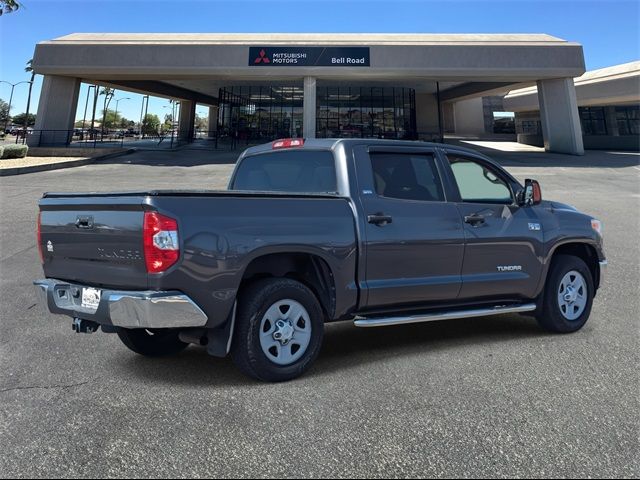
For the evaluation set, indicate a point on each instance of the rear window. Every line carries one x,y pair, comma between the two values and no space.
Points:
300,171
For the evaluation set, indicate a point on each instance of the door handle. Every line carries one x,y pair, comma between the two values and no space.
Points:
84,222
474,219
380,219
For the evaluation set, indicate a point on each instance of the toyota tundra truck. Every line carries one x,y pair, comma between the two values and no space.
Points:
376,232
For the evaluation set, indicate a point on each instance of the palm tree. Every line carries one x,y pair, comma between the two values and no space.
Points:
8,6
29,69
108,95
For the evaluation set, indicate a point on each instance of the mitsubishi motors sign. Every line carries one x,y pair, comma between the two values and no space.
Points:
309,56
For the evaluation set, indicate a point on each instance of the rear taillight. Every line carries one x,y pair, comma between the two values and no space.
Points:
287,143
39,238
161,242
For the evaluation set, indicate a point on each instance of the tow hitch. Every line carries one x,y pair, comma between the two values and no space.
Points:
84,326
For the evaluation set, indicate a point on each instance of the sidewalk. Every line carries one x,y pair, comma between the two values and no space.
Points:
19,166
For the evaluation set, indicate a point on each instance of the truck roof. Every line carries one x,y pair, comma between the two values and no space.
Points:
331,143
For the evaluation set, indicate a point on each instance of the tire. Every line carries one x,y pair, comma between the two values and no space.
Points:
152,343
559,314
264,310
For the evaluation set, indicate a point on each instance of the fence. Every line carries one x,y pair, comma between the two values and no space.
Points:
97,139
220,140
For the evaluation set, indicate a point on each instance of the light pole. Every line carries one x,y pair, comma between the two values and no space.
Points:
13,85
124,98
86,104
172,106
144,99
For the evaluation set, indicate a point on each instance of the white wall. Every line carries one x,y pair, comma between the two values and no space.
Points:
469,117
426,113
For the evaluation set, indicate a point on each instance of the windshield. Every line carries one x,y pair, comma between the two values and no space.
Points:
299,171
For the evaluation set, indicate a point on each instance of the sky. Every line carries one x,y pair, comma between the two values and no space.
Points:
608,29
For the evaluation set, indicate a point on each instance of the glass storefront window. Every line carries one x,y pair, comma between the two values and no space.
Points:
262,113
592,120
628,119
364,112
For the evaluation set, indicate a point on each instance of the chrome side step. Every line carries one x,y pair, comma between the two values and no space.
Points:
431,317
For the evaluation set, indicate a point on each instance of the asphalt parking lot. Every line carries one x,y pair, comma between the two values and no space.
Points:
467,398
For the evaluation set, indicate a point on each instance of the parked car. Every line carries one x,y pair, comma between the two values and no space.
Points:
376,232
20,133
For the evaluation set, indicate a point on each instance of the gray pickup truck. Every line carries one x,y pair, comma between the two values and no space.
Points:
371,231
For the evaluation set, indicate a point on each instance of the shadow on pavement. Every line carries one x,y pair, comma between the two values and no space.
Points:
345,346
591,158
183,157
195,156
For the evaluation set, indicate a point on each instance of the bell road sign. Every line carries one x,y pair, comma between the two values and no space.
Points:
309,56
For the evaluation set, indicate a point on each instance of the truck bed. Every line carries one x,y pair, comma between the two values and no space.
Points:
96,239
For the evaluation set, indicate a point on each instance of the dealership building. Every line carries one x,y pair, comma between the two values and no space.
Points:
608,107
264,86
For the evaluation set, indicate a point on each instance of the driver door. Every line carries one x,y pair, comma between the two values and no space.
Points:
503,241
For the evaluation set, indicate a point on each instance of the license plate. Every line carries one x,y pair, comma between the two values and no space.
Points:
91,298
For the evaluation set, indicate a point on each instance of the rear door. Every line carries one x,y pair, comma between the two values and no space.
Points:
413,236
503,241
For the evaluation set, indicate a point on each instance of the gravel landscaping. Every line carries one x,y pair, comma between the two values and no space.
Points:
35,161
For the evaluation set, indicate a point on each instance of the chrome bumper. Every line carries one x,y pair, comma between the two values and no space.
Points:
603,270
126,309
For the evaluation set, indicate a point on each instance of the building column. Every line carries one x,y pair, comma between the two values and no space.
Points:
187,120
309,108
56,111
213,121
561,129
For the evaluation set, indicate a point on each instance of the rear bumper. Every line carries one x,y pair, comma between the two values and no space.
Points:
118,308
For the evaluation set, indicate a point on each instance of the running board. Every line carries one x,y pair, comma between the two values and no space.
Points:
432,317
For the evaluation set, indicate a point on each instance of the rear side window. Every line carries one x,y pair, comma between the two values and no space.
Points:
407,177
299,171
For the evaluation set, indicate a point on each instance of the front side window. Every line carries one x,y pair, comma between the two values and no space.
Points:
407,177
478,183
294,171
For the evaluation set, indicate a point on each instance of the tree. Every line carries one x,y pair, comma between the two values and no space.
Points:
110,119
21,119
202,123
4,112
168,122
150,124
108,95
8,6
29,69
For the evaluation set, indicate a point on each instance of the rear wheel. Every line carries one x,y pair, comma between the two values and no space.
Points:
279,330
152,343
568,295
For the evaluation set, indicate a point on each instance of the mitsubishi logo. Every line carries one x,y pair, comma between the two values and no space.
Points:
262,58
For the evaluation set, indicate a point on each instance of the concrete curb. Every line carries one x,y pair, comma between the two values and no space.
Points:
5,172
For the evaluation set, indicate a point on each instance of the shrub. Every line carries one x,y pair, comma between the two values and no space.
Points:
1,150
14,151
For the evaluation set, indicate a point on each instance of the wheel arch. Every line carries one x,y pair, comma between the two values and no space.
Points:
586,251
309,268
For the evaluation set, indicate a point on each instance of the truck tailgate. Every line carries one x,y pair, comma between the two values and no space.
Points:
94,240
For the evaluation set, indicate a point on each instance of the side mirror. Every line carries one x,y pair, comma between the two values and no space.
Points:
532,194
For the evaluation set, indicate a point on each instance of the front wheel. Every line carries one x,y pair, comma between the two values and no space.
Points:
279,330
568,295
152,343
